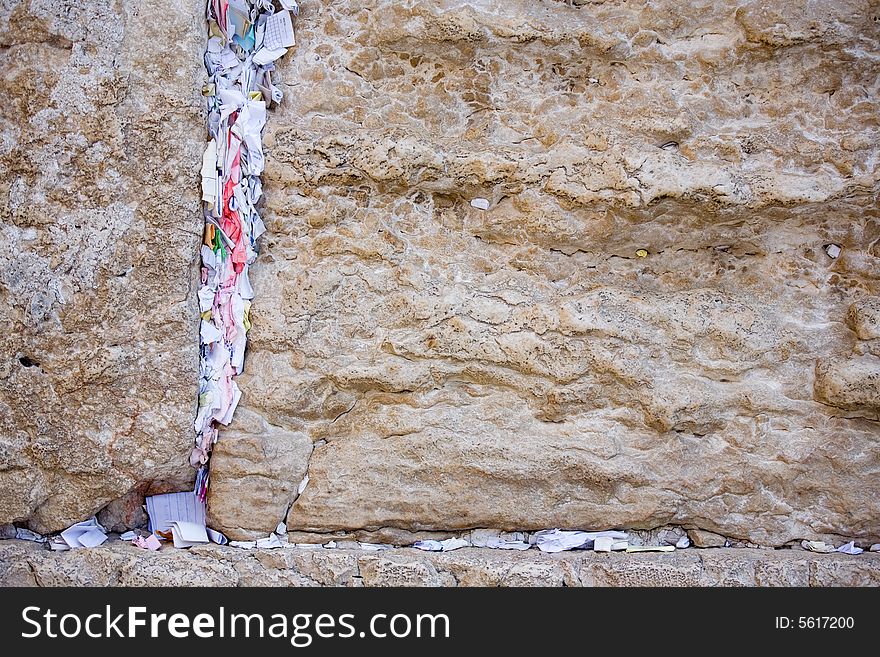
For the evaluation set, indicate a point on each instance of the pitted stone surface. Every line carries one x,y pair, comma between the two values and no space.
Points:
100,147
522,367
119,564
644,328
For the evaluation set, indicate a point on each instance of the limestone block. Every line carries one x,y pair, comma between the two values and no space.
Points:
627,336
100,148
849,383
255,470
863,318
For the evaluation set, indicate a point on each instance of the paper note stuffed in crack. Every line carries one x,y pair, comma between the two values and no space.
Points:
279,31
246,37
557,540
83,534
441,546
210,176
187,534
165,510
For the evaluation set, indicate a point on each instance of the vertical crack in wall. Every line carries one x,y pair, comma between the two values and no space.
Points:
245,38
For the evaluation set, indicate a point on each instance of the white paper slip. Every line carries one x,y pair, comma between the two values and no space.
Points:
270,541
187,534
428,546
28,535
165,509
217,537
84,534
441,546
92,538
497,540
850,548
556,540
228,60
209,333
210,177
71,534
374,547
603,544
510,545
817,546
279,31
454,544
266,55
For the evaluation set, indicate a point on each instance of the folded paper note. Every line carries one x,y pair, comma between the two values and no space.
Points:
441,546
164,510
217,537
279,31
187,534
84,534
817,546
850,548
557,540
149,543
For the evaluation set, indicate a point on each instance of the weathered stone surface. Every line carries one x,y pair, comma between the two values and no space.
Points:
850,383
126,512
864,318
522,367
117,563
255,477
704,539
100,148
728,567
644,327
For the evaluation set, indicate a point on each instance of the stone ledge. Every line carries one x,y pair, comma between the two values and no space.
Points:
119,564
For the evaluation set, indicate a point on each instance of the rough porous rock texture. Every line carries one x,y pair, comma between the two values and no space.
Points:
120,564
524,367
100,146
255,474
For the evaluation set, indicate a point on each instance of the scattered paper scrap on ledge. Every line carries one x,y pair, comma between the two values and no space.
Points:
86,534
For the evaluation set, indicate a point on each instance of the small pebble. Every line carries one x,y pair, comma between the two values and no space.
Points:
480,203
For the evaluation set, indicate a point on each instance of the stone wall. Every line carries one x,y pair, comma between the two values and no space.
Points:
651,323
434,366
120,564
101,130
